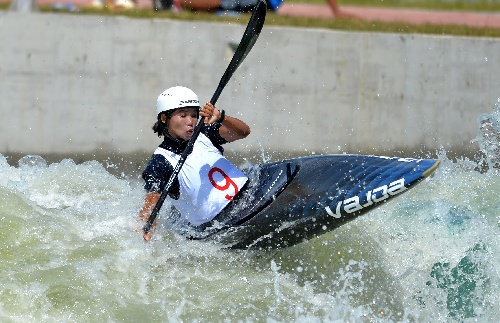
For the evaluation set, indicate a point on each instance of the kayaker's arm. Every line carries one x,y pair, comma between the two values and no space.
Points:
232,128
149,203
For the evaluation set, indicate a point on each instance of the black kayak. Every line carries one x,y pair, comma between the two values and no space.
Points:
294,200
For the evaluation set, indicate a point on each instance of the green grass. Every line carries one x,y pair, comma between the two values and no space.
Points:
337,24
455,5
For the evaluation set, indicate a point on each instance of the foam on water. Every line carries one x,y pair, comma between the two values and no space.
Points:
69,252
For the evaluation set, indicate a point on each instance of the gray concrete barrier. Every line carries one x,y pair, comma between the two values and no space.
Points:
80,83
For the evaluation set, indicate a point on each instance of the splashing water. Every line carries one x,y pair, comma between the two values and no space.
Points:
69,252
489,136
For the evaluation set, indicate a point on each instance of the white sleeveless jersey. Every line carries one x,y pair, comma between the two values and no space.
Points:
207,180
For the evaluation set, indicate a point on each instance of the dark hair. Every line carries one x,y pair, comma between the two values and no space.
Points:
159,127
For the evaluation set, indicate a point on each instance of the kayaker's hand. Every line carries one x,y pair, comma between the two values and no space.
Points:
210,113
149,202
147,236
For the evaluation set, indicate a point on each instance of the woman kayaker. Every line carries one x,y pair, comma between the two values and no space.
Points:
207,182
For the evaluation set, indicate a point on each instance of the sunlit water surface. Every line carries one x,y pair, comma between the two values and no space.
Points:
69,252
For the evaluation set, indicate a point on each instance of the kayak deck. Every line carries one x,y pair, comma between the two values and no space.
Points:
295,200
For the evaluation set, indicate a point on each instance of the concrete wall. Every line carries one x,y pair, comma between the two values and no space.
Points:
75,83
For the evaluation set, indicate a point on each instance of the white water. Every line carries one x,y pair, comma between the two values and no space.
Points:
69,253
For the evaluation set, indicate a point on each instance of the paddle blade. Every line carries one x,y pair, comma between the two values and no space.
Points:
249,38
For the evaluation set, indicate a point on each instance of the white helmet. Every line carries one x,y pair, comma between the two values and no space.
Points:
176,97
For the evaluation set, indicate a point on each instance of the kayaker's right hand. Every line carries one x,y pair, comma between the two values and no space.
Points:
147,236
149,203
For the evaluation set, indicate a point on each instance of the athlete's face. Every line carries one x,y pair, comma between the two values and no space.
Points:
182,123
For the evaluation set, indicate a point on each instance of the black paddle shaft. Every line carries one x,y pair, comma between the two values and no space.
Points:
249,38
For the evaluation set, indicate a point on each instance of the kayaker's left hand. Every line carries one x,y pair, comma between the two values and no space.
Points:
210,113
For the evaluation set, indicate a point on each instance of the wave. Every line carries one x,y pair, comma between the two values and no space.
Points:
69,251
